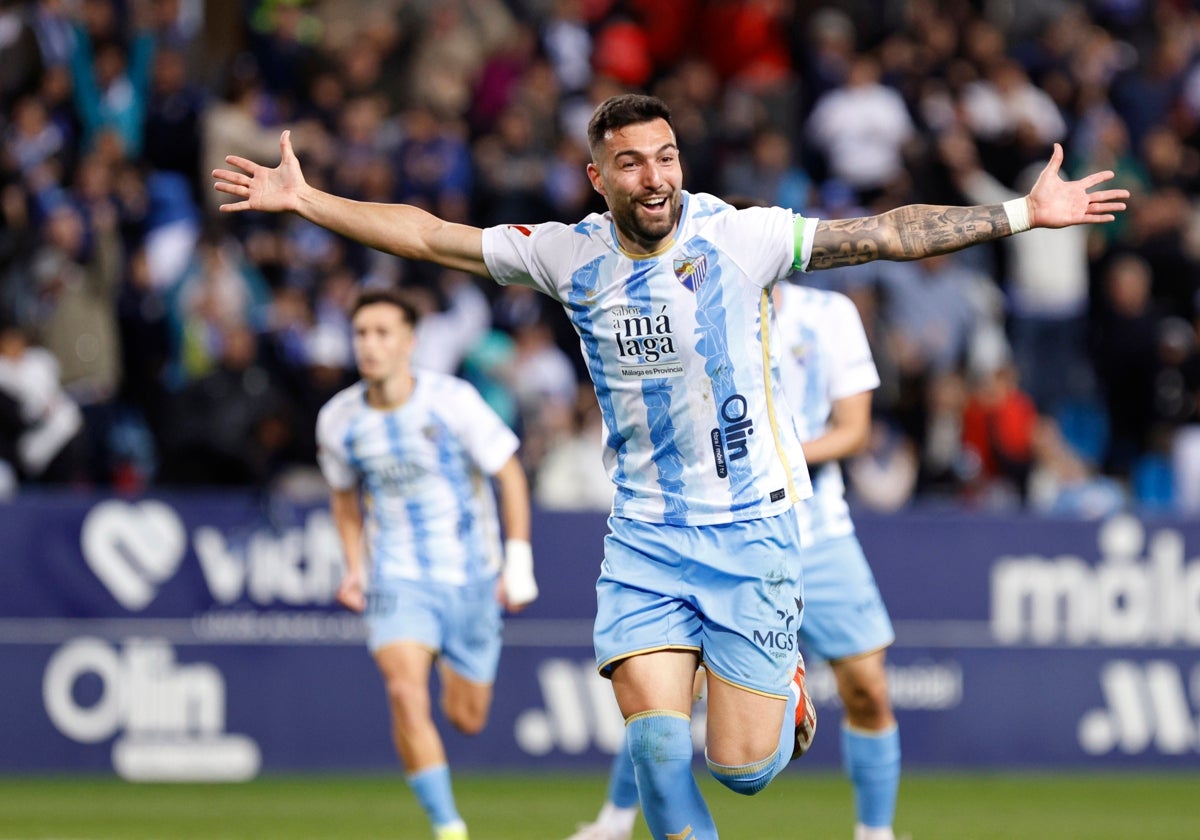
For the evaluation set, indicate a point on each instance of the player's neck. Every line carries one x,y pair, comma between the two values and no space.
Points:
638,250
392,392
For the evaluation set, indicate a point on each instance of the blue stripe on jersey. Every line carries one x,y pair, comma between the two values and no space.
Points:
713,345
656,396
815,406
453,468
584,283
348,440
416,516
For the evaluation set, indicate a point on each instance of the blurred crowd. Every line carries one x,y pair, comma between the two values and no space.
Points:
147,340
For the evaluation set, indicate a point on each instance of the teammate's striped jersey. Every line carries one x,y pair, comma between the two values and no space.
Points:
825,357
679,350
424,470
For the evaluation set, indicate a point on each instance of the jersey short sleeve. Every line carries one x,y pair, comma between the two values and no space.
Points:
333,426
538,256
852,368
488,441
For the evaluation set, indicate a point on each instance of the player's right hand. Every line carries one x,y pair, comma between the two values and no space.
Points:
261,187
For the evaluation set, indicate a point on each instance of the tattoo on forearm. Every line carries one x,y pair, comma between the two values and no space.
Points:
906,233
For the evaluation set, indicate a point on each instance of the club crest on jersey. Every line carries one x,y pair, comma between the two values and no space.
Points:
691,271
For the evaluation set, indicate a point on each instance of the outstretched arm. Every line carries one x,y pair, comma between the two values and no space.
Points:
923,230
398,229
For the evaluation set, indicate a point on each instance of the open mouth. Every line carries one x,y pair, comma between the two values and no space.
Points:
655,205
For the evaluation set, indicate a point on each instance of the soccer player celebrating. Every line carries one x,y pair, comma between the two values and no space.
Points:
828,376
669,292
419,448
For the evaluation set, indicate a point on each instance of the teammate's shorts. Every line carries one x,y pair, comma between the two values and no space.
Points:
844,615
732,592
461,624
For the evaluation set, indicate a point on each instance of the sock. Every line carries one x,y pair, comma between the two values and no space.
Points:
432,787
872,761
660,743
749,779
622,783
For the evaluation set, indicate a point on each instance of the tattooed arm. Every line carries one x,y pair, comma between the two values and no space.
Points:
924,230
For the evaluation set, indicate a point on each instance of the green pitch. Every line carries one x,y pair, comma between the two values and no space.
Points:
547,807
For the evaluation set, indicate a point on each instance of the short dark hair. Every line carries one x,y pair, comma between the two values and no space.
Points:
616,112
396,297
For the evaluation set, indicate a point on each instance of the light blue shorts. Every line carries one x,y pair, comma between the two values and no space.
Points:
844,614
732,592
461,624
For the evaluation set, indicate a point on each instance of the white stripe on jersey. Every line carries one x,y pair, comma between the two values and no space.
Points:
825,357
674,343
423,469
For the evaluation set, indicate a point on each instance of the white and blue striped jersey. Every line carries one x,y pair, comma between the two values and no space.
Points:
825,357
424,471
679,349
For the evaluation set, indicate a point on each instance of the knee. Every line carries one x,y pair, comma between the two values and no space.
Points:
408,701
468,715
868,705
468,721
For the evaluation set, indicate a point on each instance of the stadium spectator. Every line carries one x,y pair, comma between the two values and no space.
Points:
862,128
571,474
998,427
42,436
405,453
77,276
228,427
1125,353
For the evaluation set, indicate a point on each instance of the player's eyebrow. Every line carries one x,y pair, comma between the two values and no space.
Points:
638,153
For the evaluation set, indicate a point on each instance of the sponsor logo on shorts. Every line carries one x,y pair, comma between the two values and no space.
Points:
783,638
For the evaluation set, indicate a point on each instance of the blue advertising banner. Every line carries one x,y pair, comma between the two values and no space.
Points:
195,637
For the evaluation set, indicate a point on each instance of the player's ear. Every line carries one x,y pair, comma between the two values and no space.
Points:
593,173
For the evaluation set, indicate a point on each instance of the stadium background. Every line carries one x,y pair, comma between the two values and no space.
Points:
161,365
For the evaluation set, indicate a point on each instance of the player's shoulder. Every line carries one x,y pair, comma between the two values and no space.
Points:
439,389
746,221
343,406
593,227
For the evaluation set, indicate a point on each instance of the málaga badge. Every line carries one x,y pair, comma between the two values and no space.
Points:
691,271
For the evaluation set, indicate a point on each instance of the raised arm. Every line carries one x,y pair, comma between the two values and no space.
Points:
924,230
398,229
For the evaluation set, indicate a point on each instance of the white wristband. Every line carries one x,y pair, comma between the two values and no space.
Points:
520,588
1017,210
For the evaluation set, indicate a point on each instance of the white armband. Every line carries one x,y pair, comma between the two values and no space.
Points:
1017,210
520,588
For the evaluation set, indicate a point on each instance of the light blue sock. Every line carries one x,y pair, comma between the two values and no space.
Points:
432,787
622,781
872,761
660,744
749,779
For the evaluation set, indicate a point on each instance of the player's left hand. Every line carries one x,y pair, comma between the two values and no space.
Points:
351,594
518,587
1055,203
